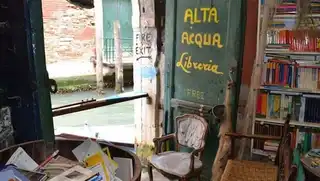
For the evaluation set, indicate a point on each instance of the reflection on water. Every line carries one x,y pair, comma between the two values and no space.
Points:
117,114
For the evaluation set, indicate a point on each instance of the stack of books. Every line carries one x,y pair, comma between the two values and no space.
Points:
284,6
294,40
274,130
291,74
271,146
287,7
315,6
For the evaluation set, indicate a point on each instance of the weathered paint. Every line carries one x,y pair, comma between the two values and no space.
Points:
203,42
145,55
23,73
117,10
38,65
249,50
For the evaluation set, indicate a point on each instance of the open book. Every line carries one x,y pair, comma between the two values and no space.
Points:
76,173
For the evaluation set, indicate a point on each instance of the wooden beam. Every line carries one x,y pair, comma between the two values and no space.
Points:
118,62
250,110
99,44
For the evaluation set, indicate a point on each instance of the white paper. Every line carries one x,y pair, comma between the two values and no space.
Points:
22,160
116,179
99,169
108,164
125,170
86,149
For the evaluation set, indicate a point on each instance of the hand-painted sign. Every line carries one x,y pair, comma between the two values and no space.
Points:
207,43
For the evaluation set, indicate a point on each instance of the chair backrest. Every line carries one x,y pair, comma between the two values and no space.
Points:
191,130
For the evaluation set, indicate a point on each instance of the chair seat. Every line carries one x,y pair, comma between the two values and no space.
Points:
242,170
175,163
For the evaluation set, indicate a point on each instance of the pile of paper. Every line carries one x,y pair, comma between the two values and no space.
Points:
94,164
22,167
94,157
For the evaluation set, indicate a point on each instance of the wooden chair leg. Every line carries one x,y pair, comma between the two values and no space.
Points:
150,173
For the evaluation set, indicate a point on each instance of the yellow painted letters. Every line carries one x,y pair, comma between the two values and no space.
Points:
201,39
187,64
208,15
194,93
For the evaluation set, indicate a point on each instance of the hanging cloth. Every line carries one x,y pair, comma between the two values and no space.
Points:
297,162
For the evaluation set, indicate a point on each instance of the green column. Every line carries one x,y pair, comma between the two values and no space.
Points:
43,96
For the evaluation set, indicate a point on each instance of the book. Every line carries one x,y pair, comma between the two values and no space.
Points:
271,143
34,176
22,160
99,163
58,165
293,40
276,106
290,78
76,173
270,148
94,157
266,129
10,172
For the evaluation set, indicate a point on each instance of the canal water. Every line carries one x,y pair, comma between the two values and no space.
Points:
114,122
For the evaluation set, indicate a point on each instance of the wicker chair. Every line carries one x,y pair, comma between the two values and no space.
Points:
282,170
191,132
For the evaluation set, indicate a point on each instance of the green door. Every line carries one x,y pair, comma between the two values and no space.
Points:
117,10
203,44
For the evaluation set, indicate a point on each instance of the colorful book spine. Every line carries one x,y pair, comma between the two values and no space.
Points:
279,73
294,40
308,77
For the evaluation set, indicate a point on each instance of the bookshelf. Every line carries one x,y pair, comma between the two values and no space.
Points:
290,79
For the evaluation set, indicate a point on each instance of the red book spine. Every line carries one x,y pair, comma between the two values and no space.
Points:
259,103
312,44
281,37
291,41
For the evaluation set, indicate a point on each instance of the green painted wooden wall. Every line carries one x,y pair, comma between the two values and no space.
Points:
121,10
204,40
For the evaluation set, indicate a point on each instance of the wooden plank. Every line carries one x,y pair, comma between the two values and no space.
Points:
255,80
118,64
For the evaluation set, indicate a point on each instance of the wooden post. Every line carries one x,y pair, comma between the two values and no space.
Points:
118,62
250,110
99,43
145,58
225,142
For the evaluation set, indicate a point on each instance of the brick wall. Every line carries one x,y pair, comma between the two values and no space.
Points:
68,30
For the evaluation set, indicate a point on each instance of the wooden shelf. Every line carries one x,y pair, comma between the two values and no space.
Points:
291,16
293,53
294,90
293,123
